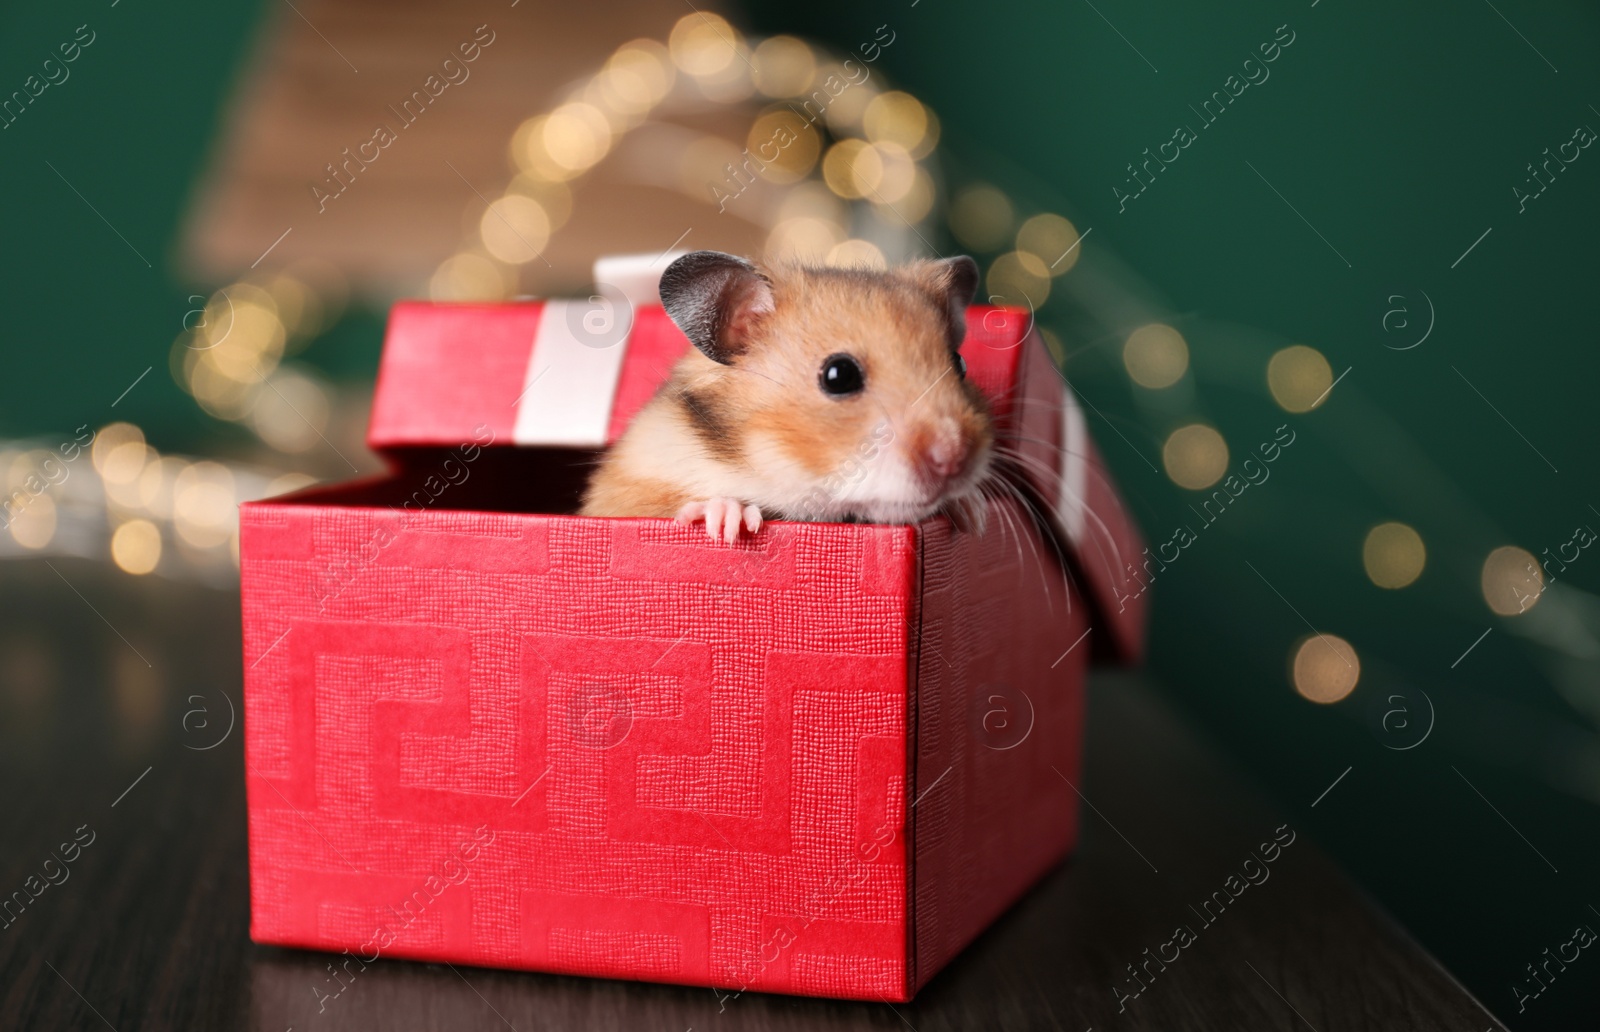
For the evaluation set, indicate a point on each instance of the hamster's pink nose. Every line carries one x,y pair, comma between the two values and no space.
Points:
946,451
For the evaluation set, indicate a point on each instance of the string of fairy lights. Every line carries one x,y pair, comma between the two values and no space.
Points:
851,185
849,171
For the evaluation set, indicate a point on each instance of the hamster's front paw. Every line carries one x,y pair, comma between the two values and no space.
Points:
723,517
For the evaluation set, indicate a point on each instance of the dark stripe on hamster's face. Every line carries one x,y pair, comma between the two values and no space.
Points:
709,423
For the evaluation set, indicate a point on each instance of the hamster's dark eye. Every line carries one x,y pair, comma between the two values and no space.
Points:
841,375
961,366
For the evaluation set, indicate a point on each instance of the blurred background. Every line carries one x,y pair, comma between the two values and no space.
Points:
1317,271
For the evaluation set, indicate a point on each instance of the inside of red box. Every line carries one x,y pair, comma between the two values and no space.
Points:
543,480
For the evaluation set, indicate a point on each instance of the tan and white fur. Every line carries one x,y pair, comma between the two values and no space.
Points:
757,422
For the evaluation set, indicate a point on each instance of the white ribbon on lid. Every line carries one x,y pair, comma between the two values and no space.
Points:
576,359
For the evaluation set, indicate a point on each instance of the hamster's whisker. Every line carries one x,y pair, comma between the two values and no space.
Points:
1019,533
1043,527
1115,560
1058,449
1033,462
1039,510
1003,518
1053,475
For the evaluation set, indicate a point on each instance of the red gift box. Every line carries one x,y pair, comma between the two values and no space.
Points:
480,729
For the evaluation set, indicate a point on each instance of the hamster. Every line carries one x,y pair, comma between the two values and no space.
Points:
811,394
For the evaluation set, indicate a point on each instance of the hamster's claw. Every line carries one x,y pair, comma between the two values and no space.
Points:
723,517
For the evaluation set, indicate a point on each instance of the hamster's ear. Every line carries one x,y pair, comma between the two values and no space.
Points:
716,300
952,282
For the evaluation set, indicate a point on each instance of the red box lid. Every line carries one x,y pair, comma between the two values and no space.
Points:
571,374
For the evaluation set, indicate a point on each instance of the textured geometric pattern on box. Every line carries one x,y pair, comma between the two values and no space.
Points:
997,706
670,767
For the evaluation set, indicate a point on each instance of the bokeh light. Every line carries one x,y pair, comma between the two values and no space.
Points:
981,217
803,238
637,77
703,44
899,175
515,229
203,505
1195,456
846,109
576,136
34,525
125,462
155,486
857,254
299,308
553,196
238,341
1325,668
812,199
1299,378
1156,356
218,394
1512,580
136,546
108,439
1053,240
467,277
528,151
292,413
792,143
123,478
1018,278
914,205
899,118
1393,555
784,66
245,339
853,169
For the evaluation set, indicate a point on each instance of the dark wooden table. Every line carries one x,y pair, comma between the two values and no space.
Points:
118,724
